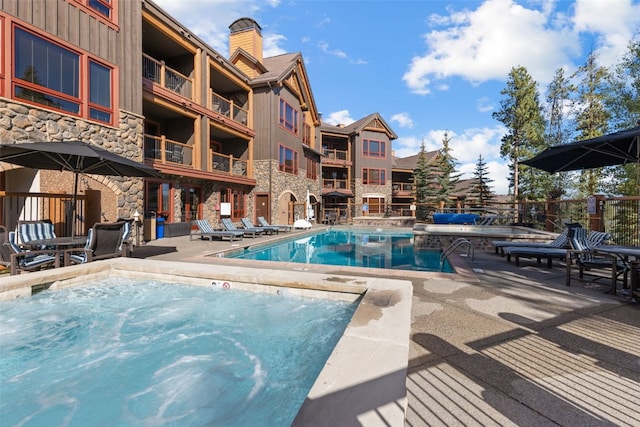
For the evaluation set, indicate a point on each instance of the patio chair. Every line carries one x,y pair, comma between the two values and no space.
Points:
229,226
582,254
562,241
263,222
104,240
248,225
206,231
30,260
5,251
531,252
35,230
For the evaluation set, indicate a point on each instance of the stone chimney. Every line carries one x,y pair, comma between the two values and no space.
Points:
246,34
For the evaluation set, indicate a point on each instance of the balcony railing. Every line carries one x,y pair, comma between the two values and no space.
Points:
166,77
331,153
167,151
227,108
228,164
337,184
402,188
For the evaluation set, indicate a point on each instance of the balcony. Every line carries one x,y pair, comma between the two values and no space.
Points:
166,77
227,108
402,190
228,164
159,148
335,157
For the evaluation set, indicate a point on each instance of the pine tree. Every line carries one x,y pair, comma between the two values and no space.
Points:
558,126
521,114
481,194
623,101
421,184
592,119
445,172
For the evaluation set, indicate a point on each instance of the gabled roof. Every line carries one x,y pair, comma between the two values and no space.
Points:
411,162
370,122
289,67
241,52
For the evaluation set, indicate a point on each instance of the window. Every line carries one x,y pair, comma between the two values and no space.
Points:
103,7
373,176
288,160
375,205
306,134
237,199
373,148
49,74
312,169
288,117
158,199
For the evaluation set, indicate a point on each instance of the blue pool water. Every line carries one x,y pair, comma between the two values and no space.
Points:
160,354
354,248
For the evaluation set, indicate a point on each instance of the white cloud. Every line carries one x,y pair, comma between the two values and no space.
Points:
613,20
271,45
485,43
403,120
484,105
324,47
341,117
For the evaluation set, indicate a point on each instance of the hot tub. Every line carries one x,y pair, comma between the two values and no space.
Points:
435,236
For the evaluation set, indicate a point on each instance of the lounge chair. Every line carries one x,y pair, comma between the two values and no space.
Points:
539,253
30,260
582,254
5,251
248,225
104,240
206,231
562,241
263,222
229,226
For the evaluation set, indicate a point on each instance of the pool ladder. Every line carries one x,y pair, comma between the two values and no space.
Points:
461,241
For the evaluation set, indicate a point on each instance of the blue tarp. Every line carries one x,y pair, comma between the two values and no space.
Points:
447,218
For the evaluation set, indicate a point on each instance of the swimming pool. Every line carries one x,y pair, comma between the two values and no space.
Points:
385,249
122,352
375,342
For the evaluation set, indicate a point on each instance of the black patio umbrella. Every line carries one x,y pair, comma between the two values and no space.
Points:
618,148
74,156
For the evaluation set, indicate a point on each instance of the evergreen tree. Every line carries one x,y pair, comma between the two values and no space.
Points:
421,184
445,172
623,101
558,129
592,118
481,194
521,114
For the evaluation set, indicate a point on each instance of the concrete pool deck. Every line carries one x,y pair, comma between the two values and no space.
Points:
497,344
494,344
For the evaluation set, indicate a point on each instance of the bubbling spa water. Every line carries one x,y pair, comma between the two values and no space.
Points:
150,353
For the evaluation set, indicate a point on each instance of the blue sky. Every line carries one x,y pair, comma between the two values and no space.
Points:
427,67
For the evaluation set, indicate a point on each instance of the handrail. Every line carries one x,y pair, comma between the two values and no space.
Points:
457,243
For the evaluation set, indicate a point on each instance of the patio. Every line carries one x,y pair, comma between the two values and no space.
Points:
504,345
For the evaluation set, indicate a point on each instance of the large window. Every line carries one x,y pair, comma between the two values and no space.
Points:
288,160
50,74
373,148
373,176
288,117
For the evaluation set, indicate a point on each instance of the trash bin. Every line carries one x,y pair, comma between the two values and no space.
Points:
159,227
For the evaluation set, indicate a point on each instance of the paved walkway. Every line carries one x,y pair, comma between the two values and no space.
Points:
504,345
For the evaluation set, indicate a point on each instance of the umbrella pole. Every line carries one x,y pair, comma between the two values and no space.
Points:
74,205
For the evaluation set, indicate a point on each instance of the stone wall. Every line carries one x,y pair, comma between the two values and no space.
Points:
23,122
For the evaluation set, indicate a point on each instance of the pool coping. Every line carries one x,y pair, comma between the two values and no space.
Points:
364,379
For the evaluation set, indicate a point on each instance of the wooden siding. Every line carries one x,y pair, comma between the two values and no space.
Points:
71,24
361,162
250,41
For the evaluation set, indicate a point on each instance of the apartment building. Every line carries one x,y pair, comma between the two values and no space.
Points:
356,166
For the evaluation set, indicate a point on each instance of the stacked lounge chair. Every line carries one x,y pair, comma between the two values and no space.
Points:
206,231
248,225
562,241
583,255
229,226
263,222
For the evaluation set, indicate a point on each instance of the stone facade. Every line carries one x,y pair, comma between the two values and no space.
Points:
23,122
281,185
